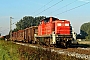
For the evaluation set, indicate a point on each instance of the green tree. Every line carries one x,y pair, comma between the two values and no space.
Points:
85,30
28,21
88,31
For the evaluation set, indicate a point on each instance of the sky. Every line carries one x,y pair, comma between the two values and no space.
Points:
76,11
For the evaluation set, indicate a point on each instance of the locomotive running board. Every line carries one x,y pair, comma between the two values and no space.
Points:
53,37
43,36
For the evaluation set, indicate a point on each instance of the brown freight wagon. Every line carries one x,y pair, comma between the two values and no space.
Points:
26,35
20,35
14,36
29,34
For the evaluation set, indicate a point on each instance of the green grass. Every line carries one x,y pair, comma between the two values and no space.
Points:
8,51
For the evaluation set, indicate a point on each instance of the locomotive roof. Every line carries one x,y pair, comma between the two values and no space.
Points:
48,18
51,17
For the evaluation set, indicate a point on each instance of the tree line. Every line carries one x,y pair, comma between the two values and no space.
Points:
28,21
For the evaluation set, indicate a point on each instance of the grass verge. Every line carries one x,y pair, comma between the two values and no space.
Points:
11,51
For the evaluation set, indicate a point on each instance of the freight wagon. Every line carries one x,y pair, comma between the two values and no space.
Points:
14,36
29,34
26,35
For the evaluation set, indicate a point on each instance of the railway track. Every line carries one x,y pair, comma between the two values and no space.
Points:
83,53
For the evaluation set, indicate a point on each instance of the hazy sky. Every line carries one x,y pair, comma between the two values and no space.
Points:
76,11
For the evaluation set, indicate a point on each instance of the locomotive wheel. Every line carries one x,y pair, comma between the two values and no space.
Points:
47,42
38,41
64,44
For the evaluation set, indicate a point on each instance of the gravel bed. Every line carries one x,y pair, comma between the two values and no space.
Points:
68,52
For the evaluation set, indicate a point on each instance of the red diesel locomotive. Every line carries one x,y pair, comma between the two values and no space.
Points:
51,31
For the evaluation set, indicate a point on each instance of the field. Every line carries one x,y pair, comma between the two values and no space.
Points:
11,51
8,51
